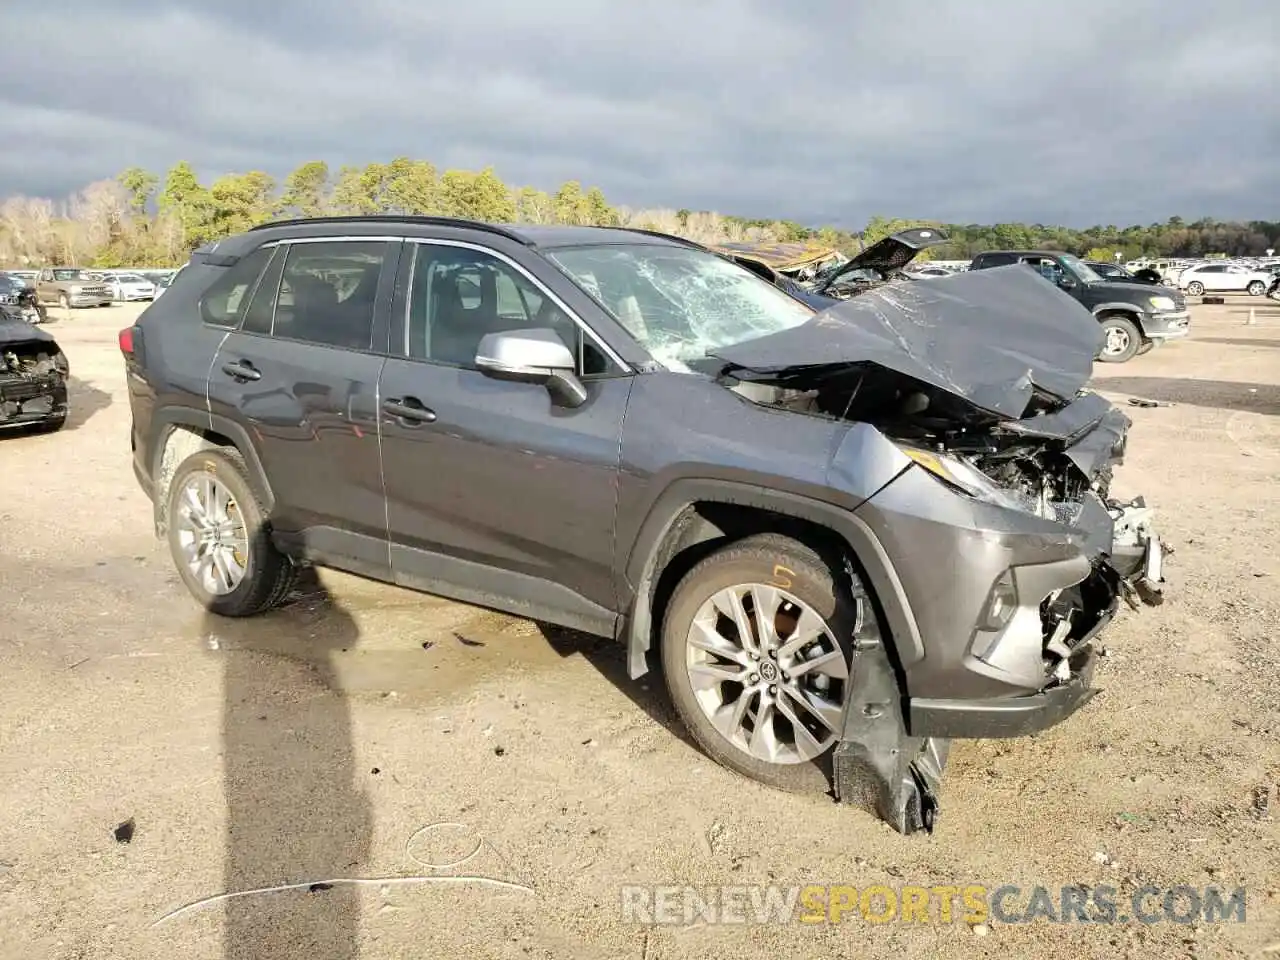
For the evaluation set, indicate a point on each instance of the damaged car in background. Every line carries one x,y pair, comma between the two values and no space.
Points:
18,300
821,276
33,377
883,261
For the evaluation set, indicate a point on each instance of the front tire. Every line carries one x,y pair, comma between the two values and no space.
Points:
219,537
1122,340
1195,289
1257,288
64,301
756,643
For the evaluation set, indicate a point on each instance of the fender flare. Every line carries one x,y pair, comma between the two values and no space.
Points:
166,419
643,567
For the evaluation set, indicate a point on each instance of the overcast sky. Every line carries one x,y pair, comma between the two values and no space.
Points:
978,111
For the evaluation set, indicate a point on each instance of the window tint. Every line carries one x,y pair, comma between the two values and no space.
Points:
996,259
262,310
327,292
458,295
1051,270
223,302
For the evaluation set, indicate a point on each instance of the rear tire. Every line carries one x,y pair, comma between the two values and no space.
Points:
811,596
1122,339
267,575
1257,288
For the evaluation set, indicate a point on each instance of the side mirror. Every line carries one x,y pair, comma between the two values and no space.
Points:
1066,283
532,356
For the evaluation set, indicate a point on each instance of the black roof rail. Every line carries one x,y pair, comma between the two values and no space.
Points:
426,221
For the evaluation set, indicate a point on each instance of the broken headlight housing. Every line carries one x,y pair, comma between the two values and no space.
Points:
964,477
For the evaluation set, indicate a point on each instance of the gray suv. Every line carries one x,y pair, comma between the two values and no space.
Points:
850,534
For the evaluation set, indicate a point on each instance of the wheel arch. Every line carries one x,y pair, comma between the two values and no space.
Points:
1130,311
693,517
182,431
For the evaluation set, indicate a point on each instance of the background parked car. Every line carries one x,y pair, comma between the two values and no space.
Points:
18,300
1223,278
71,287
131,286
1113,271
164,282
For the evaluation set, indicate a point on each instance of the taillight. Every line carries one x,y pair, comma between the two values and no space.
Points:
125,337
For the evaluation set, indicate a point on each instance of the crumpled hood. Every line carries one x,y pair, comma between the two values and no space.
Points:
19,331
991,337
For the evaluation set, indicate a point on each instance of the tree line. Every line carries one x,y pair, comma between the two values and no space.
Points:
140,218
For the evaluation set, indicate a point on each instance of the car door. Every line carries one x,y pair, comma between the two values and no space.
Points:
496,494
1213,277
1236,278
299,371
45,291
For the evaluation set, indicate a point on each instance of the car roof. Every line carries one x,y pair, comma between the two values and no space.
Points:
1022,253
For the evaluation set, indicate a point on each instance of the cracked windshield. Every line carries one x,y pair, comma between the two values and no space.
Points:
680,303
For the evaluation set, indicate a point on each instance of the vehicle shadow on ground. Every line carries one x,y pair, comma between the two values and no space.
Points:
293,814
83,401
1239,341
1219,394
609,658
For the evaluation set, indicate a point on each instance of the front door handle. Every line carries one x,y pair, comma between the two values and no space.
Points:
409,409
242,370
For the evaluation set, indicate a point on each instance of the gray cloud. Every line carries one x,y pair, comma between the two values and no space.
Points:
1086,113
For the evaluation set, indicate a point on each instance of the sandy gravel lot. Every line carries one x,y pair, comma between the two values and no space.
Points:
316,744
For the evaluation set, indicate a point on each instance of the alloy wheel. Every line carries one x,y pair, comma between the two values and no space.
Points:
767,673
212,535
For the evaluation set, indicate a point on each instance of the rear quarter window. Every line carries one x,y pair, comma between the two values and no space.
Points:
226,298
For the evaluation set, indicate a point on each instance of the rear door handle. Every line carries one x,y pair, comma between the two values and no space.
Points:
409,409
241,370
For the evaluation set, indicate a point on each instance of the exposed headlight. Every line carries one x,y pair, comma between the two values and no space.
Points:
1162,303
77,289
964,477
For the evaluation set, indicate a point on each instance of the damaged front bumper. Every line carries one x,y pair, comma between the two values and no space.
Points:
1008,608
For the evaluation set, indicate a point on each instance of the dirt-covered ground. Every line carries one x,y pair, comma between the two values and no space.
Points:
375,735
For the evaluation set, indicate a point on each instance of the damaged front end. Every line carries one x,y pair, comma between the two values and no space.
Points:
33,378
1000,526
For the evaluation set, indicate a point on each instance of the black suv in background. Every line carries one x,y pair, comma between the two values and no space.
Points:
1136,317
852,534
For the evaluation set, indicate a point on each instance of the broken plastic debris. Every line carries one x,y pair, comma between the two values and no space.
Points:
1148,402
124,831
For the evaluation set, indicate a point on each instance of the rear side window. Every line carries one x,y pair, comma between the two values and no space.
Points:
226,299
328,291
